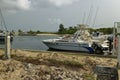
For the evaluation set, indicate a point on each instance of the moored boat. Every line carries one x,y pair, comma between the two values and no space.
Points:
77,42
81,41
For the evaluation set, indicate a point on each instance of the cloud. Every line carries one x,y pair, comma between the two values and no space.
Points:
15,4
26,4
51,3
60,3
55,20
57,3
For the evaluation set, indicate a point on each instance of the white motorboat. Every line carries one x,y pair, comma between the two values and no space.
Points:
80,41
60,44
77,42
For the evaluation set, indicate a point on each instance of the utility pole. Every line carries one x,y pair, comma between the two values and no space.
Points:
118,43
7,37
7,46
114,36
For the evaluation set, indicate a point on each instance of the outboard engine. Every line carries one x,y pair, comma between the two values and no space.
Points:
97,48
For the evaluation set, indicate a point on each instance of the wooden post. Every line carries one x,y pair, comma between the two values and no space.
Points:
118,51
7,47
114,33
118,36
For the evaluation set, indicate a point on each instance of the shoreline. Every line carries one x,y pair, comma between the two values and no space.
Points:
64,52
69,53
43,34
46,34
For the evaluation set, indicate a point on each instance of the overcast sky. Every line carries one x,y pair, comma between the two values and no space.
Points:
46,15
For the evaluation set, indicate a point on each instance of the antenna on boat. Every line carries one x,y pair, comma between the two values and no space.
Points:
83,21
95,16
90,15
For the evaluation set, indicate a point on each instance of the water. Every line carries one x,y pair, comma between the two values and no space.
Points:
30,42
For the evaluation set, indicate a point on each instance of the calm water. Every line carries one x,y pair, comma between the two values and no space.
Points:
30,42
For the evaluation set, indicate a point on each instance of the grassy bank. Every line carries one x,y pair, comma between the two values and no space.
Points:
49,65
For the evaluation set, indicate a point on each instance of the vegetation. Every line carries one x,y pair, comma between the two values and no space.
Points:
63,30
31,32
103,30
73,29
69,30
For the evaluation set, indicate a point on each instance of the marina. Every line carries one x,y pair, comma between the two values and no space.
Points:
59,40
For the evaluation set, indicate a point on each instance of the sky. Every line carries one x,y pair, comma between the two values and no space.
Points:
46,15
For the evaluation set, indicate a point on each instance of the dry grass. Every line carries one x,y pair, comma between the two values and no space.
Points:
14,69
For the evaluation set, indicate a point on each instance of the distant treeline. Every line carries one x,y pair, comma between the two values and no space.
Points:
31,32
63,30
73,29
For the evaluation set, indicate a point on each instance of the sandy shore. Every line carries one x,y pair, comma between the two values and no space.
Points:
45,65
46,34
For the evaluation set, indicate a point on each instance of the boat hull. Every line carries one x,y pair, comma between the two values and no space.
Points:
69,46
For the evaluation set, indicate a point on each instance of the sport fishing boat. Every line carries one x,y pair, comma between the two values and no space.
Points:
81,41
77,42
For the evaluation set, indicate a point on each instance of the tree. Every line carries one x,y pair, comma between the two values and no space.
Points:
73,29
61,29
12,32
20,32
38,32
105,30
70,30
31,32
